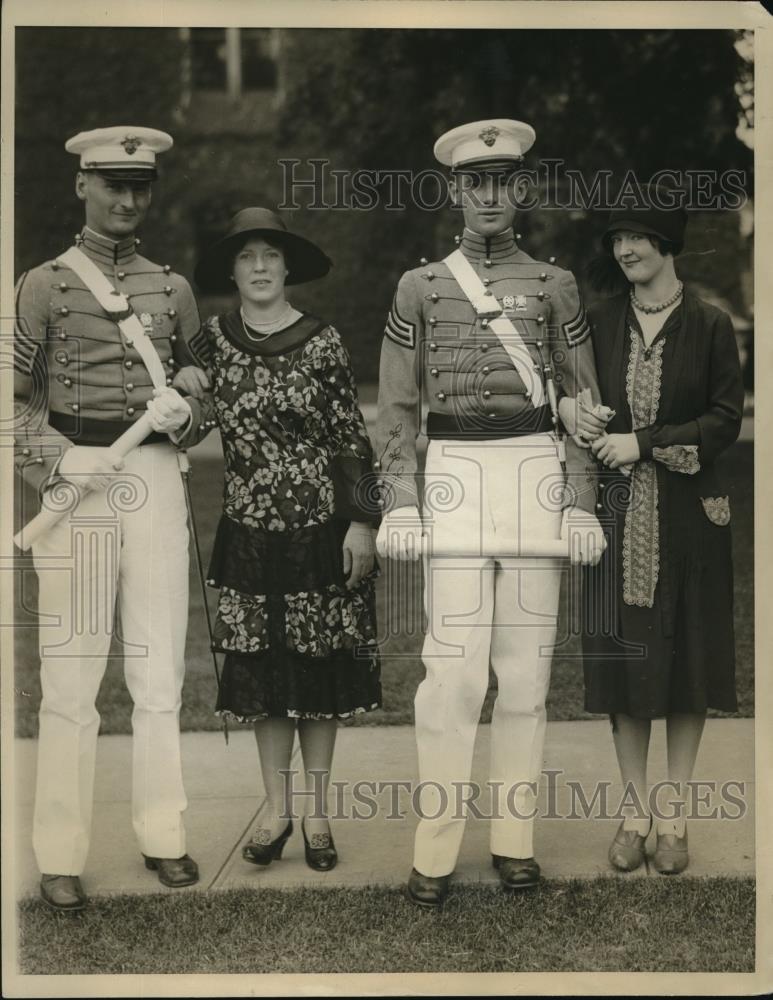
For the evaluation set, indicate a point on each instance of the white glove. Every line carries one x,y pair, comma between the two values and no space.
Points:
586,537
399,536
168,411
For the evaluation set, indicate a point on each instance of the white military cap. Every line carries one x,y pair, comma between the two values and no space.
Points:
126,151
486,142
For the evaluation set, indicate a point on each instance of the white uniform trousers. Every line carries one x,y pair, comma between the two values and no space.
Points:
481,611
126,546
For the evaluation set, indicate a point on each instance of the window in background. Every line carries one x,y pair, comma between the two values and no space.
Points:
233,60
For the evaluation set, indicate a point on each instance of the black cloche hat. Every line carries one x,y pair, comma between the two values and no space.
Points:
661,215
305,260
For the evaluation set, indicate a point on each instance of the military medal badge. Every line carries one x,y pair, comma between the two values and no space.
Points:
521,305
146,319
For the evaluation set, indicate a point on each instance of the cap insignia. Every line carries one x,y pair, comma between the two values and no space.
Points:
131,144
489,135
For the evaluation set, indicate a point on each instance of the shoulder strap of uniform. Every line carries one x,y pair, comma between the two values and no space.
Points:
485,305
117,305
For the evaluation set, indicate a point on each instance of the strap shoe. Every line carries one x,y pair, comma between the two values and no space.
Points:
626,852
321,853
262,851
671,857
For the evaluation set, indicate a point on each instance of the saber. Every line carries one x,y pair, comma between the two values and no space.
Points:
48,516
185,474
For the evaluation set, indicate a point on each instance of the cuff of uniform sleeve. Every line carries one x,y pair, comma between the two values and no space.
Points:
396,491
194,417
644,439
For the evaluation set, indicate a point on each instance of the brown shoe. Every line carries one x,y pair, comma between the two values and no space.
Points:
626,852
174,872
671,855
428,891
63,892
516,873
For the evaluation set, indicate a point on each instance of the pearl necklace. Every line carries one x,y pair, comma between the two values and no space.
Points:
661,305
265,329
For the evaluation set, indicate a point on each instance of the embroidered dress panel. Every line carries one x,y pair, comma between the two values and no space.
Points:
641,543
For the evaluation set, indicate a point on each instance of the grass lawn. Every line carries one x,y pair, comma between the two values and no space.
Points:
603,924
401,669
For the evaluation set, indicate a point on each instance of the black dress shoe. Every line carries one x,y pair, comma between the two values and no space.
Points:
516,873
262,851
427,890
174,872
63,892
321,853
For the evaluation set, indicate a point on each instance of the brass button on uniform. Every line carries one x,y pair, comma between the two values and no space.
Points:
68,382
64,311
26,452
485,369
432,321
434,297
433,346
543,276
129,386
484,347
486,394
434,372
167,269
441,396
121,275
74,407
130,411
541,296
128,363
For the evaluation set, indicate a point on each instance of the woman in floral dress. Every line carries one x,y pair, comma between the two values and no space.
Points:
658,633
294,550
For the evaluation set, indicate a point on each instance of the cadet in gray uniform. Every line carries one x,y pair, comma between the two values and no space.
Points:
477,338
81,381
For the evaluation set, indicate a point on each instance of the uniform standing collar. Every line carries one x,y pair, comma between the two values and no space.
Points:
102,249
475,246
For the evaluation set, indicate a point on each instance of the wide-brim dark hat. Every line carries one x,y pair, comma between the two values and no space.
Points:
305,260
660,215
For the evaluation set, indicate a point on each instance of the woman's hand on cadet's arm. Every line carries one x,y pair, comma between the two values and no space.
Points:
191,380
359,553
615,450
579,422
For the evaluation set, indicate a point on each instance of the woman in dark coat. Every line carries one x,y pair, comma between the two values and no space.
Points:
658,609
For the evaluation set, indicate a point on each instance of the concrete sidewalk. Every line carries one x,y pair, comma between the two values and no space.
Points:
226,798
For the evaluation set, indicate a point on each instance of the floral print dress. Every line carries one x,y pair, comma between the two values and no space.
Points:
297,642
